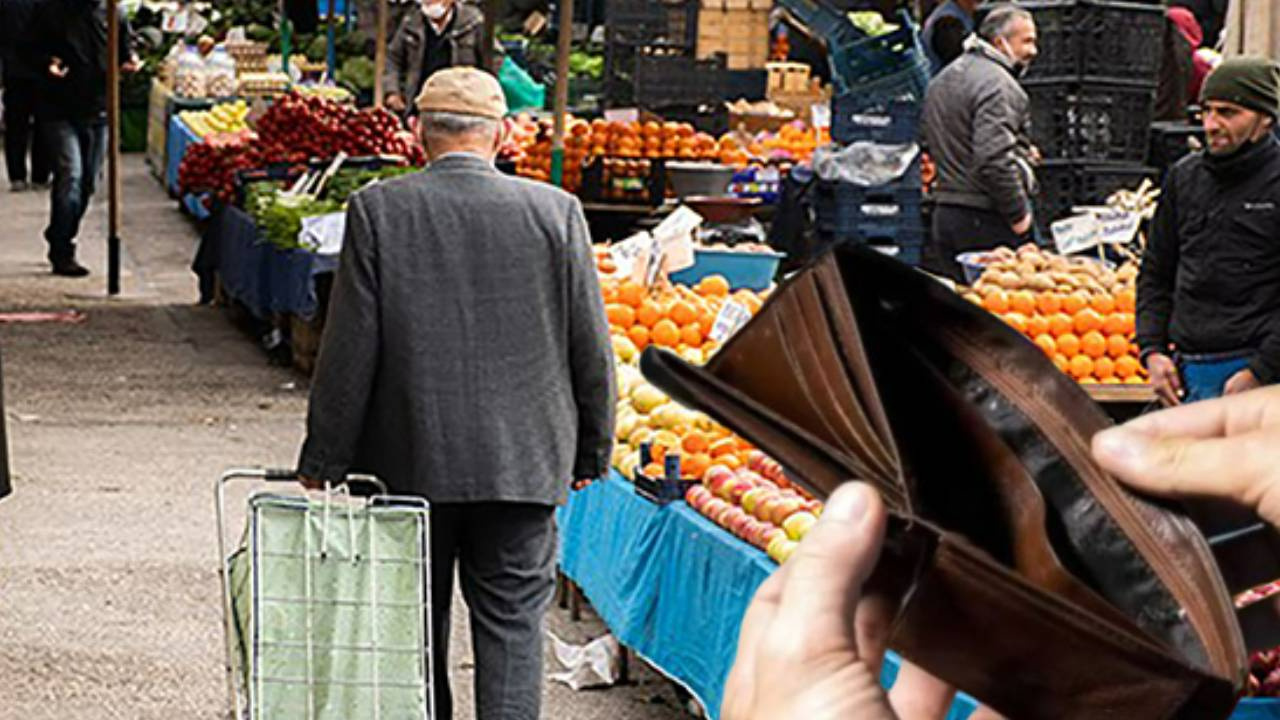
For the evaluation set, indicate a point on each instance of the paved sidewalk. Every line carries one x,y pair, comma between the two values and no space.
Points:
109,599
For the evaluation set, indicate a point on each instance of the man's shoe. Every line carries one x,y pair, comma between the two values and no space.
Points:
18,186
70,268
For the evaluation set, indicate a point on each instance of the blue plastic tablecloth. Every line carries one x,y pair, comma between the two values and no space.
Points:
176,143
267,280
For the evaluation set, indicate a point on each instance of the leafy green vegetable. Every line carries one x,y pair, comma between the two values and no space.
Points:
356,74
345,182
279,216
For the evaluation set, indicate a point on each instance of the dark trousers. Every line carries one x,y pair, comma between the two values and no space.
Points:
505,554
20,133
77,148
958,229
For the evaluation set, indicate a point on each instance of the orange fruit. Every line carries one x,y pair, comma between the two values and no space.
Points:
730,461
1069,344
1127,367
1062,363
1087,320
630,293
1113,380
1135,380
751,300
694,466
639,335
1104,368
1093,344
1117,346
691,334
1047,344
610,292
649,313
653,470
996,301
1114,324
694,442
665,333
714,286
1081,367
1126,301
725,446
1022,302
1037,325
682,313
1060,324
1130,323
1103,304
1075,302
1015,320
620,316
1049,303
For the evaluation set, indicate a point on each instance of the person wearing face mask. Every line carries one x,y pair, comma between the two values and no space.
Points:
1208,310
466,359
976,125
444,34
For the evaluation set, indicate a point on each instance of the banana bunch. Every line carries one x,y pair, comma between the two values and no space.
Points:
222,118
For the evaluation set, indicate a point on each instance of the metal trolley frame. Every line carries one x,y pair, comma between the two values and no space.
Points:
336,508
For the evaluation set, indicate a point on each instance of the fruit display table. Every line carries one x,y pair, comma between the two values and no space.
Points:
179,138
267,280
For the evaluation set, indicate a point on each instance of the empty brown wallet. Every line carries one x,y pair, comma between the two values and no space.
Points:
1021,572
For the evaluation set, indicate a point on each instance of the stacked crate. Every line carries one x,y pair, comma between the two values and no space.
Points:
738,29
643,28
1092,92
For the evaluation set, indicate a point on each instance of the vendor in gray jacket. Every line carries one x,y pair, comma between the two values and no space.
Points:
466,359
976,124
441,34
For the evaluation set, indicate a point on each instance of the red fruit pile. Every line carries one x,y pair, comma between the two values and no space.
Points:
297,129
211,166
752,502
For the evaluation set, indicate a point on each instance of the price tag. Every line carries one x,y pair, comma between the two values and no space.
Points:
1075,234
1117,227
731,318
674,237
632,256
175,22
820,115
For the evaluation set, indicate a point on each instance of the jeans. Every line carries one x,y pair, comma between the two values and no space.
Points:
20,134
1204,376
77,148
957,230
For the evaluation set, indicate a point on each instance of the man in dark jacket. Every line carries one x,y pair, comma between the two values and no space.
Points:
70,44
466,358
976,124
22,77
443,34
1209,291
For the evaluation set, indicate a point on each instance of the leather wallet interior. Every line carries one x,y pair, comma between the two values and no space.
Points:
1022,573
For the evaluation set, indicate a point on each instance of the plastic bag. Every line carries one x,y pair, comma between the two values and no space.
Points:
864,163
521,91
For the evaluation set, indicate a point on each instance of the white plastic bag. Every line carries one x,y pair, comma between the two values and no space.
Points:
864,163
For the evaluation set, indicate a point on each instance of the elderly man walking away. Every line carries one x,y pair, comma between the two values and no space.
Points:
976,123
466,358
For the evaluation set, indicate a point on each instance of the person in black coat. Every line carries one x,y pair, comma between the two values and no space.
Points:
1208,305
22,77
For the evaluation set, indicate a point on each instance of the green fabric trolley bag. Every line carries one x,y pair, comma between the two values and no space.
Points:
327,603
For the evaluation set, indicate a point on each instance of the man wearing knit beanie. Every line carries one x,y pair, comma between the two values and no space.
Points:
1208,310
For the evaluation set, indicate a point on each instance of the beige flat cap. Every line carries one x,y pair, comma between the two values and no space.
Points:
463,91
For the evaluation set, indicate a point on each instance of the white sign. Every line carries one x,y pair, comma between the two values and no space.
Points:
675,239
1117,227
731,319
632,255
322,234
1102,226
820,115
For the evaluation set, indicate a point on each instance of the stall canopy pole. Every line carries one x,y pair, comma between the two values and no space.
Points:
113,147
331,53
563,46
380,54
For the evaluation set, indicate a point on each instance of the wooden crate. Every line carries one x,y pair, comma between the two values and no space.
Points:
740,33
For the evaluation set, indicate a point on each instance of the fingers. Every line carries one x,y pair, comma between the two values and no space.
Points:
1215,418
873,625
917,695
1238,467
739,687
824,578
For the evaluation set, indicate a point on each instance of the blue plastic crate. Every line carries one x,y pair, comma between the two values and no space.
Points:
754,271
859,117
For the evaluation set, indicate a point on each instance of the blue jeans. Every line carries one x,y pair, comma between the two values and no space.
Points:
76,148
1204,376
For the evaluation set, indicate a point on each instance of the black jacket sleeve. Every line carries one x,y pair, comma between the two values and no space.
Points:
590,353
948,39
1159,273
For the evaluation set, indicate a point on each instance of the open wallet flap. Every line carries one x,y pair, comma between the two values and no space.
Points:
1022,573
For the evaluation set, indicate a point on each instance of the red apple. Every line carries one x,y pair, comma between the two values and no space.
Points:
714,473
753,496
737,488
766,505
713,506
784,509
756,460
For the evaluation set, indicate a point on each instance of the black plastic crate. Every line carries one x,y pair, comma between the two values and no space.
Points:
749,84
644,22
858,117
1064,185
1091,122
665,79
1096,41
1172,141
710,118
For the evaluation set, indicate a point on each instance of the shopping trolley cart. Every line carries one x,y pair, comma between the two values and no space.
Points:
327,603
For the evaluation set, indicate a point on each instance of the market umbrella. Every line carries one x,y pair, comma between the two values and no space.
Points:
1252,28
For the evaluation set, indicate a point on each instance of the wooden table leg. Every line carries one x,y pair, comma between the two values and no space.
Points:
575,602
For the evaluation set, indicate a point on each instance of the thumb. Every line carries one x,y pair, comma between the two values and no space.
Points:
1236,468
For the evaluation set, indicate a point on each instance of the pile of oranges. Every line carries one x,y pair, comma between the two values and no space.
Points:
676,317
1088,336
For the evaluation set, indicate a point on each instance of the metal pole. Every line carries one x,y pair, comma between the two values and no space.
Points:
564,44
331,52
380,54
113,147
